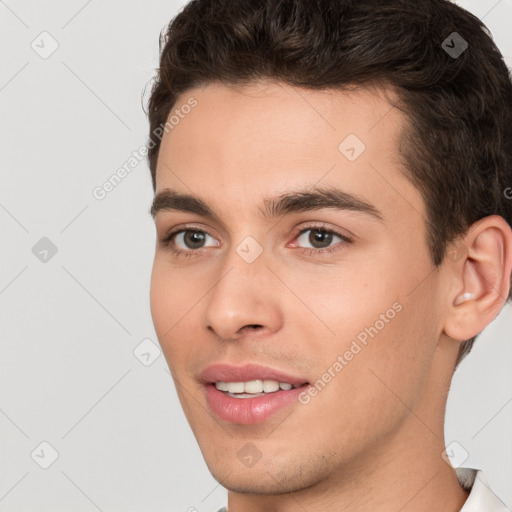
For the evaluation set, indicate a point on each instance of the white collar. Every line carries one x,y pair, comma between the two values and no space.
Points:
481,498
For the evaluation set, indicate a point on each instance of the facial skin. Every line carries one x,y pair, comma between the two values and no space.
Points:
372,439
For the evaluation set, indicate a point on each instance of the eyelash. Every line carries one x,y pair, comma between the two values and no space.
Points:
168,242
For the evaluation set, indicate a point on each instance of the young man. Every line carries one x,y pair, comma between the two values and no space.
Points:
333,207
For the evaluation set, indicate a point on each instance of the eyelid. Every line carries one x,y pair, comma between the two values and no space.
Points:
186,227
343,233
308,225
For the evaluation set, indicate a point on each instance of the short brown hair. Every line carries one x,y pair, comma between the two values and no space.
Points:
457,146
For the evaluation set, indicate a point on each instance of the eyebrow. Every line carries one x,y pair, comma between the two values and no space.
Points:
297,201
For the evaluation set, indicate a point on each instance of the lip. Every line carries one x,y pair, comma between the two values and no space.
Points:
246,411
228,373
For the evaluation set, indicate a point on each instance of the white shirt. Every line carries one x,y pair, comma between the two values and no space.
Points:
480,499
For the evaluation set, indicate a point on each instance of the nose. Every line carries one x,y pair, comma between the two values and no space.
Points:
246,297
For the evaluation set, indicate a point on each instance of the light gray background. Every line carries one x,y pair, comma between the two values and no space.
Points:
69,376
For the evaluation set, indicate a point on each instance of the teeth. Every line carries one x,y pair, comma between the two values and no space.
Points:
221,386
269,386
236,387
254,386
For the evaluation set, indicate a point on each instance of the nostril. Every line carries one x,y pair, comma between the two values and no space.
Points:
252,326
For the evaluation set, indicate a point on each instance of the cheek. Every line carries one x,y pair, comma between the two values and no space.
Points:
389,374
161,298
372,381
367,322
171,301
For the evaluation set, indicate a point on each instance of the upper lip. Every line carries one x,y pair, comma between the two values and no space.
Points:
227,373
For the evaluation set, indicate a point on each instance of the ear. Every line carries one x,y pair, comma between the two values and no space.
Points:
479,267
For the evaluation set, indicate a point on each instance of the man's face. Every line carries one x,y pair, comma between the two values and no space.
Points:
250,289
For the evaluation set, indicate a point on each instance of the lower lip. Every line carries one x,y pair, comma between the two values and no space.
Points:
247,411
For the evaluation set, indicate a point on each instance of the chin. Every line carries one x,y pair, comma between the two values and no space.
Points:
251,481
272,476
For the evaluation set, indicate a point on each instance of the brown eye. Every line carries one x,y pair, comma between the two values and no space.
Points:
186,241
319,238
193,239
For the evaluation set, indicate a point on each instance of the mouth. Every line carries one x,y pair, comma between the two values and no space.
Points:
251,393
254,388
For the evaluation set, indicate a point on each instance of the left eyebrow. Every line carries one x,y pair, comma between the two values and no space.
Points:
283,204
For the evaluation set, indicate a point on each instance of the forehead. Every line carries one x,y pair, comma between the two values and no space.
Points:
280,113
238,143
